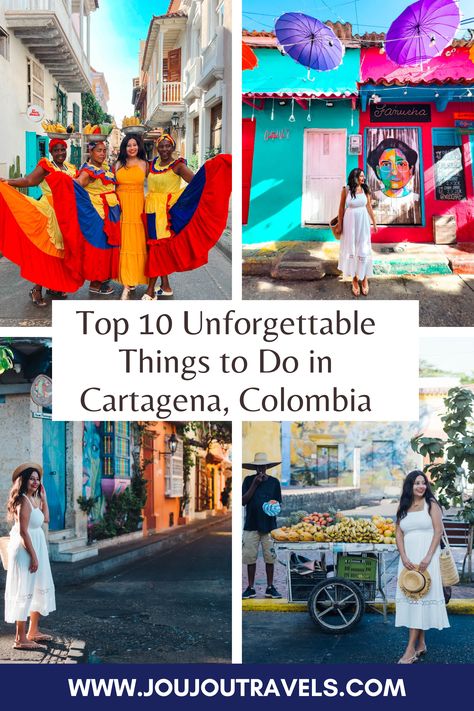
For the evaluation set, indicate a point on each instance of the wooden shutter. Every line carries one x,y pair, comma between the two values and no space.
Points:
174,64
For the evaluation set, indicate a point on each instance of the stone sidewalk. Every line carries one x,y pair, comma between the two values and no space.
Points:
62,650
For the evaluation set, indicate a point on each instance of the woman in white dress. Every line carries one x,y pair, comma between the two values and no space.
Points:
29,588
355,213
418,533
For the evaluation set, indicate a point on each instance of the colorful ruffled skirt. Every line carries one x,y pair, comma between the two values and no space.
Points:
194,219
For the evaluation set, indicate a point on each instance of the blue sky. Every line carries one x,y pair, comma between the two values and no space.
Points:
116,30
455,354
365,15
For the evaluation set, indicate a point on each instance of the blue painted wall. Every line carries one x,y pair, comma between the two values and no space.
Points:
277,178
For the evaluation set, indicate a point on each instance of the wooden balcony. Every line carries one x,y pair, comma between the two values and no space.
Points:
171,92
46,28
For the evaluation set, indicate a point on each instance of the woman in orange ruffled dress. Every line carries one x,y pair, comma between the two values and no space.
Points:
40,231
131,170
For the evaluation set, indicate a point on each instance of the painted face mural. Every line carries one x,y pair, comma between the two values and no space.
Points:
395,173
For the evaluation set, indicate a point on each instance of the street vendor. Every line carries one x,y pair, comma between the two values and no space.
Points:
261,496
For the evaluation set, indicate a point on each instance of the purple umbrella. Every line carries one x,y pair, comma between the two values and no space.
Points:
422,31
309,42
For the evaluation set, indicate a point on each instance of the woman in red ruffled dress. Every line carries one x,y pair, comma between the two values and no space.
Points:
40,242
100,226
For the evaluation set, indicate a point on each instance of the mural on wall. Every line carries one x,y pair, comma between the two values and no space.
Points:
92,465
393,175
323,454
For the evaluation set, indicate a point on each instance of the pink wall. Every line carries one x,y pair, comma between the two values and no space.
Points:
453,65
464,210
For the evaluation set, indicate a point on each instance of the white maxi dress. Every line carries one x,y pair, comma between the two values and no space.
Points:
429,612
27,592
355,254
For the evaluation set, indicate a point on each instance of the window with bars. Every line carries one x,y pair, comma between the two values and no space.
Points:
35,83
216,128
116,449
201,493
4,44
196,135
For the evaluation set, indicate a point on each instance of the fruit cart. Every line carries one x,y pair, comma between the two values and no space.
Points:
337,580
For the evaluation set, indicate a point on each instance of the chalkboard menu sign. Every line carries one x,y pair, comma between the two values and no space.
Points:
449,173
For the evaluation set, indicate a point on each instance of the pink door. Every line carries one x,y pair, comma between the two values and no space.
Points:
324,174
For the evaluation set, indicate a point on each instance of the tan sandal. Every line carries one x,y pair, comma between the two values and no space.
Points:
27,646
365,290
355,290
410,660
41,638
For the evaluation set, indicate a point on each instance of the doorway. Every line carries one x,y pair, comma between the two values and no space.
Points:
54,468
324,174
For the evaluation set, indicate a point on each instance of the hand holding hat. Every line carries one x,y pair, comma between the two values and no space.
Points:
414,584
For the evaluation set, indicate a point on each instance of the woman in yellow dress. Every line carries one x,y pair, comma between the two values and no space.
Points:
131,170
164,188
100,226
37,178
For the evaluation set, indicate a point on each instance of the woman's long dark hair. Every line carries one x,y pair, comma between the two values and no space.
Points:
406,498
20,487
122,156
353,182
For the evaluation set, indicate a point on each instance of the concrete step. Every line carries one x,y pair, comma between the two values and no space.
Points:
313,260
73,555
68,544
461,257
62,535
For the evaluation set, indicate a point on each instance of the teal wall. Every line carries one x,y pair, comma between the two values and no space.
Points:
277,176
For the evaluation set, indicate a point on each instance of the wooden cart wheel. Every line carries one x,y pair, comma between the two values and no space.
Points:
336,605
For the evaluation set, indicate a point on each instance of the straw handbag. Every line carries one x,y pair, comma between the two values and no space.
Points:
4,540
447,566
333,226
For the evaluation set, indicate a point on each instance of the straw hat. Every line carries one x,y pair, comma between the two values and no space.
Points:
260,460
27,465
414,584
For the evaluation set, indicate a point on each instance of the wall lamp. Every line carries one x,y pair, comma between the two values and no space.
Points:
172,445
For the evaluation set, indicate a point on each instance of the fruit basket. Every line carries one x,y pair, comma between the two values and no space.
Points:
96,137
140,128
63,136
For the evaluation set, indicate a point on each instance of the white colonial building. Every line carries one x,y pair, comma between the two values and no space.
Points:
185,76
44,67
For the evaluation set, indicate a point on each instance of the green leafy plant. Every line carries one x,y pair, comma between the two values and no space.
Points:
6,359
86,504
193,162
92,111
123,511
212,152
452,458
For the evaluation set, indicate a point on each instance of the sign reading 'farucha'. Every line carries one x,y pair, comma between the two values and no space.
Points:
400,113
